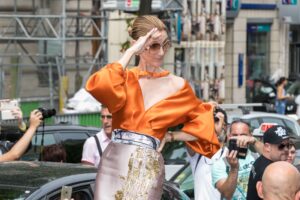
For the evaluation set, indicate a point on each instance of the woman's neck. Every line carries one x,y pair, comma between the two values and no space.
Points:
146,67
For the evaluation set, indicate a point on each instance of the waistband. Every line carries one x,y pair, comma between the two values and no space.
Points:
134,138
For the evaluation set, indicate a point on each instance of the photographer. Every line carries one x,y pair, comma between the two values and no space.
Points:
201,165
230,174
21,145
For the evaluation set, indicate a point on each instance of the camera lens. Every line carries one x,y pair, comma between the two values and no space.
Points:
46,113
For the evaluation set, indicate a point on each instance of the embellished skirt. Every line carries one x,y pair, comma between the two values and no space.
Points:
130,168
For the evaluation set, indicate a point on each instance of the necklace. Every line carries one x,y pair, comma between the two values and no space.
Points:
153,74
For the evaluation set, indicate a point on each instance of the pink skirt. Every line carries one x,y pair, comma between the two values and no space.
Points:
129,172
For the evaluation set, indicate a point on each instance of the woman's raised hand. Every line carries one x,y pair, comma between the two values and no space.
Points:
143,42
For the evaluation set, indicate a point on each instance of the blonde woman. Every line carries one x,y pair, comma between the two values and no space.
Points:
145,101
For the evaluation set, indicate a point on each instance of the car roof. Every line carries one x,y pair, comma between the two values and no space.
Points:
24,174
254,114
67,127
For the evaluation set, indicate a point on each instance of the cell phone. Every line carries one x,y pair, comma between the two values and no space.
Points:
66,193
242,152
6,106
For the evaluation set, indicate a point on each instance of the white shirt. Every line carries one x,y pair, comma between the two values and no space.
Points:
203,187
90,152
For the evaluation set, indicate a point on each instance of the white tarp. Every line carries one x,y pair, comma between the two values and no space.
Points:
82,102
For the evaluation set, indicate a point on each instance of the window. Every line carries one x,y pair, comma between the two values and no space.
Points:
258,55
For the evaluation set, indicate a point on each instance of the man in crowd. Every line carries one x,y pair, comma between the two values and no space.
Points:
276,148
21,145
230,175
280,181
94,146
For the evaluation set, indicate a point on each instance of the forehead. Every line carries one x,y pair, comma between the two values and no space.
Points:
105,111
239,128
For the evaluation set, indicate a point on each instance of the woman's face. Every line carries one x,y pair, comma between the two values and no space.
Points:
158,47
292,155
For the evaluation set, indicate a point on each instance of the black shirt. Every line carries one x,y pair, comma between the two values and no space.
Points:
256,174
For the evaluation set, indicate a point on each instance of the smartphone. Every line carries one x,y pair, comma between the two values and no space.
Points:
6,106
242,151
66,193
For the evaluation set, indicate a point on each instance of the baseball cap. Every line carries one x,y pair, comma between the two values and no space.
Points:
275,134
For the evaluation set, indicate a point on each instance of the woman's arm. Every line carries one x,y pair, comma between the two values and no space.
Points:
20,147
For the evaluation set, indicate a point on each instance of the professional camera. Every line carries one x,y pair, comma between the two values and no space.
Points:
47,112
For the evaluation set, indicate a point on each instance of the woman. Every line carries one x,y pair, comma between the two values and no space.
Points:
145,101
292,153
281,97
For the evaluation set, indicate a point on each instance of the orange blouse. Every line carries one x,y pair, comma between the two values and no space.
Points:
120,91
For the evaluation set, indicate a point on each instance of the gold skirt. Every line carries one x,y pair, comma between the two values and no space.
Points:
129,172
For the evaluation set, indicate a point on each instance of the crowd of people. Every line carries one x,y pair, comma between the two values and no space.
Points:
140,104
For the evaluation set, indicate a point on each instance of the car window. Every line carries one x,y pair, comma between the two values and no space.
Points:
34,150
48,139
254,123
272,120
174,152
73,144
291,126
74,135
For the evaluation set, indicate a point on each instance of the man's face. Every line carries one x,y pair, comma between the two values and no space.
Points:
106,118
238,129
279,152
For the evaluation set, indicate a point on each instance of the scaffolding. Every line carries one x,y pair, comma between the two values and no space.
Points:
35,37
44,38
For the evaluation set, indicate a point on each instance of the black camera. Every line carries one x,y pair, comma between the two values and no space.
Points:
218,109
241,151
47,112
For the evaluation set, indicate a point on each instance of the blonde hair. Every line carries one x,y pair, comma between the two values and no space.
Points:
143,24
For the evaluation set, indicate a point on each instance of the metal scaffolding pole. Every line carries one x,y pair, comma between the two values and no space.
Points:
26,28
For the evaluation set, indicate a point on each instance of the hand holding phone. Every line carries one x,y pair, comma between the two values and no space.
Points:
7,106
66,193
241,151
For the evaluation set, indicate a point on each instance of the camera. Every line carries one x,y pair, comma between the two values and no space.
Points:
46,113
218,109
241,151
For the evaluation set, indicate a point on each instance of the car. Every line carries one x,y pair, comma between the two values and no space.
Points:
72,137
35,180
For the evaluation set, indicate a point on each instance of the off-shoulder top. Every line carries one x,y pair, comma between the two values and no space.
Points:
120,91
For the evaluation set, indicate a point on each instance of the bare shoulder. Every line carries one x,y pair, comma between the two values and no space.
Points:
177,82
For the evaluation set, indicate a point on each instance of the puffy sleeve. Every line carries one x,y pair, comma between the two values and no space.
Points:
107,86
201,125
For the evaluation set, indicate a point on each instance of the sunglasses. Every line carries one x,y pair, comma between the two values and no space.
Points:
156,46
106,116
282,146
